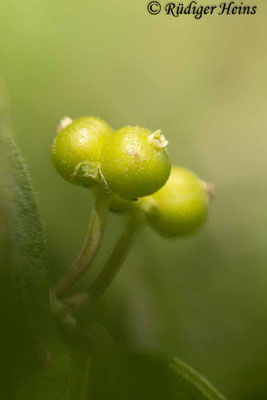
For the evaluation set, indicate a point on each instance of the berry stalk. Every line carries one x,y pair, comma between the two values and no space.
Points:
90,248
112,266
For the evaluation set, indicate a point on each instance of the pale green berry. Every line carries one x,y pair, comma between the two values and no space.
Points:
135,162
180,207
119,205
77,147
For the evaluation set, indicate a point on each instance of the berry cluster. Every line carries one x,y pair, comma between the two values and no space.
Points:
133,166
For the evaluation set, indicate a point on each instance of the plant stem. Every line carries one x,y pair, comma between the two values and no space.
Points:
79,374
114,262
112,266
90,248
76,376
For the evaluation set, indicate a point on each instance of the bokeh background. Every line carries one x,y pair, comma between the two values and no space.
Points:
203,82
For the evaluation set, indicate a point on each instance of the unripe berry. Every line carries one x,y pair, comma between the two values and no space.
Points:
119,205
135,162
76,149
180,207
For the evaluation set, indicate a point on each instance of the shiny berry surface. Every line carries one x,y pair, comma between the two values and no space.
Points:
77,147
135,162
180,207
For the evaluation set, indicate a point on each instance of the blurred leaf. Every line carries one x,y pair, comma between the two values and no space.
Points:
104,369
50,383
136,375
24,295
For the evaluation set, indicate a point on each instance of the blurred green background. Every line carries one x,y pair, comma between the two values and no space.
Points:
203,82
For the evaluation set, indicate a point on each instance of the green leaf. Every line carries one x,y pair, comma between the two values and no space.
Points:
103,369
24,295
28,261
133,375
50,383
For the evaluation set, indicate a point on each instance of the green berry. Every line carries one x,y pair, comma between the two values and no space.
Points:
77,147
119,205
135,162
180,207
